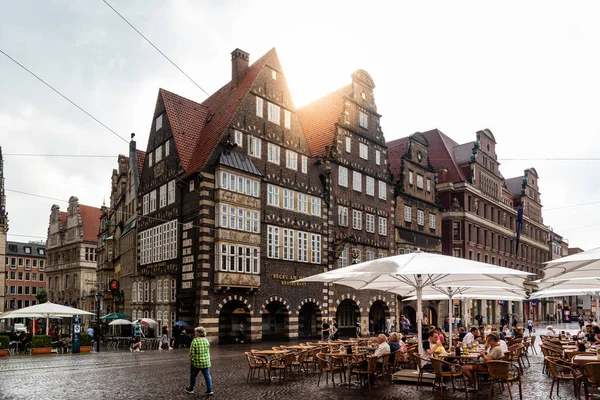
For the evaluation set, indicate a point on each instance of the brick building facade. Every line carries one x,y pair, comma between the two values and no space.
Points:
3,231
26,264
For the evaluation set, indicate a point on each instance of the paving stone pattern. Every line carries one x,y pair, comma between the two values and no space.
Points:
163,375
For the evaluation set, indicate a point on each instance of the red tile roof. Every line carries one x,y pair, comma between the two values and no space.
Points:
222,106
187,119
441,155
318,120
141,156
63,218
90,218
396,150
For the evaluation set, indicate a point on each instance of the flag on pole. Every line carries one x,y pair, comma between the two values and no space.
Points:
519,227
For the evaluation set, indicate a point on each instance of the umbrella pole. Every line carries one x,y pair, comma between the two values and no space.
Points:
450,309
47,323
465,317
420,313
597,304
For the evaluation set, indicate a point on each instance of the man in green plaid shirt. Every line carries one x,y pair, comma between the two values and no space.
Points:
200,360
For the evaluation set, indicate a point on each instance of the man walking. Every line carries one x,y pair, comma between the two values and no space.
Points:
200,361
137,333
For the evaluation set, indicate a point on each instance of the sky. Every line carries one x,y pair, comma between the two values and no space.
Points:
528,71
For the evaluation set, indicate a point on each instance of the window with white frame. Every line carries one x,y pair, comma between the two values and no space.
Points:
158,154
273,195
140,292
291,160
273,113
304,164
273,153
145,204
315,248
342,216
381,255
348,144
238,258
237,218
287,118
288,244
420,218
159,122
153,201
166,290
382,190
134,292
377,157
370,223
383,226
420,181
150,159
259,107
163,196
370,255
357,219
363,119
343,259
370,185
171,192
273,242
146,291
407,213
238,183
254,146
343,176
158,243
357,181
167,149
303,203
428,185
431,221
410,178
192,184
288,199
302,246
239,138
173,289
159,291
363,151
315,207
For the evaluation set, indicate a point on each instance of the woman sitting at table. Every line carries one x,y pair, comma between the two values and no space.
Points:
493,353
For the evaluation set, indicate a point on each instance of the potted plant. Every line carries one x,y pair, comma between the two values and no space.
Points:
4,343
41,344
85,343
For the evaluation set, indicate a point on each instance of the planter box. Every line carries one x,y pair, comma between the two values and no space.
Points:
3,352
85,349
41,350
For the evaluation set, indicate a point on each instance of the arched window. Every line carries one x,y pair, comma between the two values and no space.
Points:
159,321
166,290
159,292
153,292
140,292
145,314
146,292
173,283
134,315
166,319
134,292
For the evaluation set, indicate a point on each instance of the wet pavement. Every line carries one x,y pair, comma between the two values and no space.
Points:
164,374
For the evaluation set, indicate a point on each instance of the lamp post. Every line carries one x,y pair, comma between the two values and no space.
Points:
98,297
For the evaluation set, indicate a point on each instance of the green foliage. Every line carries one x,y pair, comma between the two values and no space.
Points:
85,340
39,341
42,296
4,341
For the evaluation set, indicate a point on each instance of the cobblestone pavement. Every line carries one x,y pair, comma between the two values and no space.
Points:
163,375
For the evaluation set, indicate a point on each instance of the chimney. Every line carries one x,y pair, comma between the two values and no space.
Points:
239,66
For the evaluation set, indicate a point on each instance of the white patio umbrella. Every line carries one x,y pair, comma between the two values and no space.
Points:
120,322
582,265
412,272
48,310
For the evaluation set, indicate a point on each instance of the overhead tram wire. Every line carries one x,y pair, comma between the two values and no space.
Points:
58,155
156,48
63,96
126,214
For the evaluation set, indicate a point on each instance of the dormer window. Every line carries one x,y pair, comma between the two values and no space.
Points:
159,122
27,250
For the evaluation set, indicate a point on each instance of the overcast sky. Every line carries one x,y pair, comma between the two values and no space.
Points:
528,71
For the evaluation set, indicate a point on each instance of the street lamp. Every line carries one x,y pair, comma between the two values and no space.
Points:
98,297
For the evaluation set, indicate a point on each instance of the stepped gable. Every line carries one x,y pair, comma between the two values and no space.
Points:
319,120
221,108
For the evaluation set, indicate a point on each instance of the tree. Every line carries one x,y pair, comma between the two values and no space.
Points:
41,296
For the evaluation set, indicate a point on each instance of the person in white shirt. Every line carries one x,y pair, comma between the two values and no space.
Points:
469,338
503,346
382,349
550,332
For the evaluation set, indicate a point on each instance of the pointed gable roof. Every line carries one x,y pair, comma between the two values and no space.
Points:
90,218
318,119
396,150
514,185
441,154
222,107
187,119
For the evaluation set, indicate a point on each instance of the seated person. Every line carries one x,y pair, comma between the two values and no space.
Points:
396,345
461,333
550,332
382,349
471,338
493,353
440,334
487,330
431,348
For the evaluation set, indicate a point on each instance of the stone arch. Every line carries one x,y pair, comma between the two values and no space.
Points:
232,298
309,314
280,299
347,296
309,300
277,320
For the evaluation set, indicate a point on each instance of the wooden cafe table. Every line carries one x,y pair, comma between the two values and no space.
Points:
582,359
347,360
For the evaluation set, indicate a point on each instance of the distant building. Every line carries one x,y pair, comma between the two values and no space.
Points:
26,273
71,255
3,230
574,250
